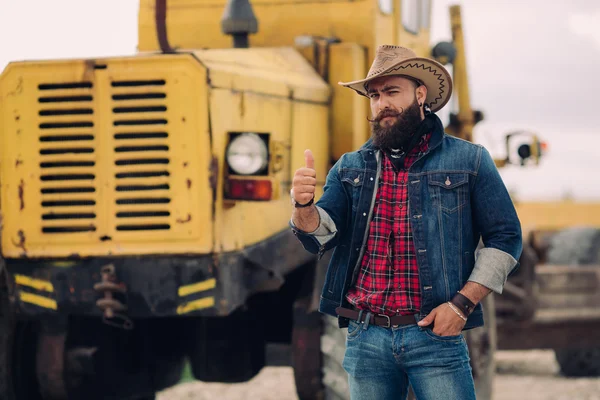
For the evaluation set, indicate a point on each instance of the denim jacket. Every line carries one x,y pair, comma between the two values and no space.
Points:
456,197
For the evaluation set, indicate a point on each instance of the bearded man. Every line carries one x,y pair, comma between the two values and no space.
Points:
405,214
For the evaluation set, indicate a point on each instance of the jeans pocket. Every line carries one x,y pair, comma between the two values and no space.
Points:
449,339
354,330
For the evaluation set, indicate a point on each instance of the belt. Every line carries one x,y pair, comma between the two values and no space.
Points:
377,319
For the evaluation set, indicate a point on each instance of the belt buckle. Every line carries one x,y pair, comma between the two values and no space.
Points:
389,321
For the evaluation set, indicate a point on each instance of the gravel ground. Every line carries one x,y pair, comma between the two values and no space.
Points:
531,375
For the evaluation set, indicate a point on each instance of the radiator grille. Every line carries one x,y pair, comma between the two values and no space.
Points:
141,156
67,162
105,157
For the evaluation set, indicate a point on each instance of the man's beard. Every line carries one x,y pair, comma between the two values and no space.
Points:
399,134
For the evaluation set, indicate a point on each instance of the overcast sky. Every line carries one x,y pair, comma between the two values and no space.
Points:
533,65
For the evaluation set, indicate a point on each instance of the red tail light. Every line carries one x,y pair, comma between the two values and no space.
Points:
249,189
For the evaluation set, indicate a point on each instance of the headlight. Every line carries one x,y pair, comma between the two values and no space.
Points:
247,154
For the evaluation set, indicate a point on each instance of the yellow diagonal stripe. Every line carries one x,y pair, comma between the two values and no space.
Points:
196,305
38,300
197,287
37,284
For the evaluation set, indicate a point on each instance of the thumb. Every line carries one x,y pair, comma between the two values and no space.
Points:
428,319
309,159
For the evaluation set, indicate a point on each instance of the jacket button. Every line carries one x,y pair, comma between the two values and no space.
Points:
364,214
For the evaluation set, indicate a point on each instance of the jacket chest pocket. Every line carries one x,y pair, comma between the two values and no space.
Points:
449,191
352,179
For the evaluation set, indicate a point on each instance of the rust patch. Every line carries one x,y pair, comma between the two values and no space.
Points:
214,172
21,195
185,164
184,221
19,89
17,117
18,162
21,243
88,71
188,182
242,105
183,119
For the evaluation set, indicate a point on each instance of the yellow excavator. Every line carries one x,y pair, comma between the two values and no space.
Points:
145,202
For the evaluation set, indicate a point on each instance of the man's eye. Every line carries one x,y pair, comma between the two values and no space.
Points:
374,95
392,92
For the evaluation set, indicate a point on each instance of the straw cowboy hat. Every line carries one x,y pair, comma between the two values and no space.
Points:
397,60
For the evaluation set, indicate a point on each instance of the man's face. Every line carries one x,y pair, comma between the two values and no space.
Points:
396,108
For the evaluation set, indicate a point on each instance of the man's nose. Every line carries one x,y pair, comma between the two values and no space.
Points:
384,103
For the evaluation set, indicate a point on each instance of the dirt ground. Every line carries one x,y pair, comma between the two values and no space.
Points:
531,375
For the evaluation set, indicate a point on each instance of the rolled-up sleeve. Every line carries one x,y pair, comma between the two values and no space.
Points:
496,219
326,229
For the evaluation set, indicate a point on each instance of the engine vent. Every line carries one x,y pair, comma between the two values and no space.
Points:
67,157
142,158
106,158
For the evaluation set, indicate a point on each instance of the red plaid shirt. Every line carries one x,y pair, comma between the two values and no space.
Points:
388,280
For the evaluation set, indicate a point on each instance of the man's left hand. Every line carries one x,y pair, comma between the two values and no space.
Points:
446,322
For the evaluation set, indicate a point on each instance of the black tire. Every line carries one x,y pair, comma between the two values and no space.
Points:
579,362
333,347
17,351
306,353
576,246
7,327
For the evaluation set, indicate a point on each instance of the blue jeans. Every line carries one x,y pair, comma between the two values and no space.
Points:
382,362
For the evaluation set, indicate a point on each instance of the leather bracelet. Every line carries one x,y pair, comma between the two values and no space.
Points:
456,311
298,205
463,303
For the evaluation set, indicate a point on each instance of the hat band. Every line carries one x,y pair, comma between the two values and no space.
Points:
410,78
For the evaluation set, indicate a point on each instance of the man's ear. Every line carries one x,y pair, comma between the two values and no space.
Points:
421,94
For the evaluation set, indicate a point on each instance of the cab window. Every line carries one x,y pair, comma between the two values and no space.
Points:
386,6
415,15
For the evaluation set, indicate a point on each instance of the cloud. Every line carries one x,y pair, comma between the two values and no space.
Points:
586,25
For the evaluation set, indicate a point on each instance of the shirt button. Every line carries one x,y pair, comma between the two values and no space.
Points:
400,206
402,182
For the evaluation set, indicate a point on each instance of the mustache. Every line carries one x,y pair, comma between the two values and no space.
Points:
384,114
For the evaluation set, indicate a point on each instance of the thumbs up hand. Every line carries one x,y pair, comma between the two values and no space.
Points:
304,182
